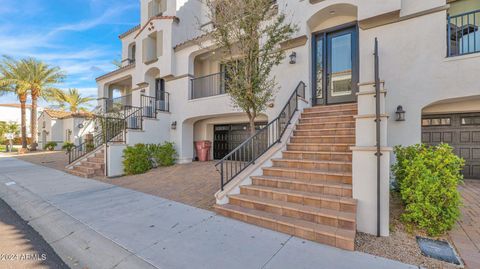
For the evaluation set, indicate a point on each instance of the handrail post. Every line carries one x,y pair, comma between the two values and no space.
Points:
221,176
449,37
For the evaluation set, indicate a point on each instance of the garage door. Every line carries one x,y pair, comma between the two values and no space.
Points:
462,132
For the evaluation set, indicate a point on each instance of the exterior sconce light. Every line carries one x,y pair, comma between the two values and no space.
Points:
174,125
400,113
293,57
80,126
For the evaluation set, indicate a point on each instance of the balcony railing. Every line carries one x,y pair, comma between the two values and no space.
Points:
206,86
463,33
117,104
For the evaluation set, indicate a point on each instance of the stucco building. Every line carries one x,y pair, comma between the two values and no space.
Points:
428,65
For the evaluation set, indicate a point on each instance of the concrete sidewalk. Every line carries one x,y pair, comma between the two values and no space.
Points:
95,225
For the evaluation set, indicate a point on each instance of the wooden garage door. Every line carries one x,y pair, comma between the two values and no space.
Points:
462,132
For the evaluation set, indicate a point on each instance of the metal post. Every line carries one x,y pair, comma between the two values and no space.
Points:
377,121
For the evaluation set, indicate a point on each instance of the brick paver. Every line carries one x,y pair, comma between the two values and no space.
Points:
466,234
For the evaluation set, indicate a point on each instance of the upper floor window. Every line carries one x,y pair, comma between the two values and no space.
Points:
156,7
463,27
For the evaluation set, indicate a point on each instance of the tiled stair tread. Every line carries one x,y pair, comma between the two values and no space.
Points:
300,181
333,198
328,122
317,152
320,144
331,107
309,171
310,161
323,136
329,117
326,129
297,207
354,110
323,229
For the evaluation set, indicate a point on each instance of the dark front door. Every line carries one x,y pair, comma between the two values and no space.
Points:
229,136
462,132
335,66
160,95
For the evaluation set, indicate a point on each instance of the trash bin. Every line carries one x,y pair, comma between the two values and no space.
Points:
203,150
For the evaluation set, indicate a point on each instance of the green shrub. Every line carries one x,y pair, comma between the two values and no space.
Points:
68,147
428,177
164,155
136,160
50,146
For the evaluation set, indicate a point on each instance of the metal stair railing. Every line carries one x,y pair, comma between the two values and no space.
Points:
256,145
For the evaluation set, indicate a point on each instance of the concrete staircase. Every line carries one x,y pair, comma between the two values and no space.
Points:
308,192
90,167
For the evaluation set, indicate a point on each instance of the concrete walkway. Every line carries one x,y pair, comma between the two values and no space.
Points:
91,224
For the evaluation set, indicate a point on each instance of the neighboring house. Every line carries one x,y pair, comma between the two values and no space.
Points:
12,113
62,127
429,61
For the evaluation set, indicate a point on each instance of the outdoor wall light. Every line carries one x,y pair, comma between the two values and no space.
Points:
80,126
174,125
400,113
293,58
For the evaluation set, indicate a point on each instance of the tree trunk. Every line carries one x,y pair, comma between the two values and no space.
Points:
23,101
33,123
251,120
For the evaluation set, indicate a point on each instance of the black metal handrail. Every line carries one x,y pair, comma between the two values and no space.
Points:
112,129
463,35
118,104
209,85
259,143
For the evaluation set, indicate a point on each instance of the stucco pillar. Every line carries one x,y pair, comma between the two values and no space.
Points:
184,141
365,163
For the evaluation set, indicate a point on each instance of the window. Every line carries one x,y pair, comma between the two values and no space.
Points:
156,8
471,120
437,122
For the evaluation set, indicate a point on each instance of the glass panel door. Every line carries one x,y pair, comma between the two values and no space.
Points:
335,67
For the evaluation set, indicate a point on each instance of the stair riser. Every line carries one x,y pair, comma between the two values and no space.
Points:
324,132
316,148
328,125
93,165
96,160
304,186
331,167
318,156
332,140
290,229
330,108
327,119
99,155
293,213
84,169
299,199
307,175
329,113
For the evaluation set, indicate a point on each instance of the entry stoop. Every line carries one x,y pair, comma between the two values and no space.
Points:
91,166
308,192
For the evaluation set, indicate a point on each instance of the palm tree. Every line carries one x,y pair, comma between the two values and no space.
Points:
72,99
12,79
41,80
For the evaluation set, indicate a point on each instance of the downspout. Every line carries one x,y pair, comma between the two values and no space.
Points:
378,131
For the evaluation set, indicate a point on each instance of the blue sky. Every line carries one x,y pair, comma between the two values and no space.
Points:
80,36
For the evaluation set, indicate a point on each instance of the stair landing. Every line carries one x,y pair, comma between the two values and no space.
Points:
308,192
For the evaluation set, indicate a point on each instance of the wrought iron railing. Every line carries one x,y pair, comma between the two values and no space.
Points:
163,101
149,106
111,129
463,33
118,104
256,145
206,86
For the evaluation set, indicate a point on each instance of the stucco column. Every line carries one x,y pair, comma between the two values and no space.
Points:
365,163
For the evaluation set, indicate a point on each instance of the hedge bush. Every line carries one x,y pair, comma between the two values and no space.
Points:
141,158
136,160
68,147
50,146
428,177
164,154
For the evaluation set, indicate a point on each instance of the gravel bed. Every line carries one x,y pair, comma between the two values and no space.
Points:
401,245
